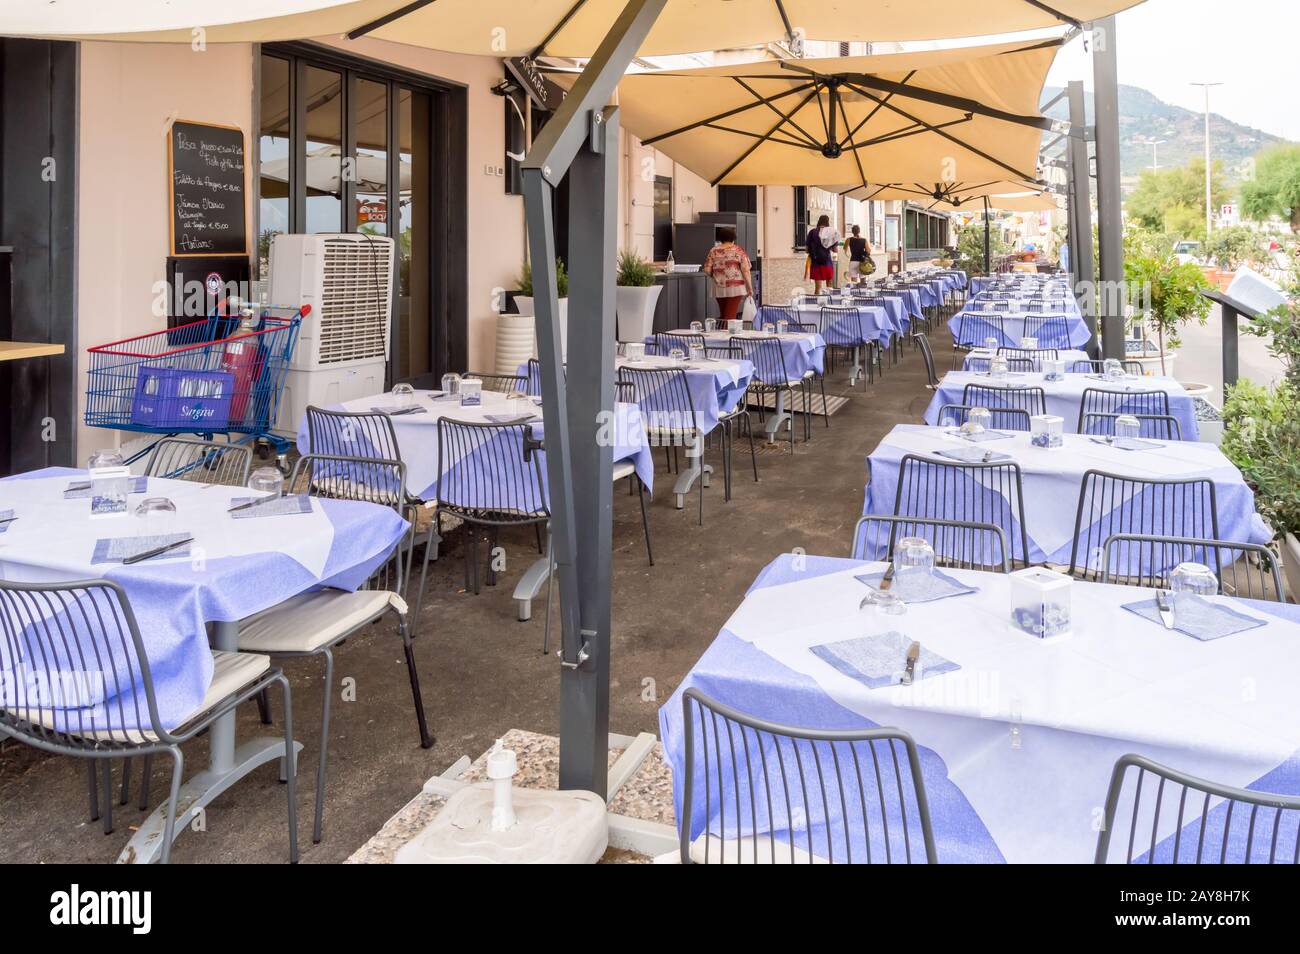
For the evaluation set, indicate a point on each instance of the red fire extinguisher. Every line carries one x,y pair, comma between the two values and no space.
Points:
242,359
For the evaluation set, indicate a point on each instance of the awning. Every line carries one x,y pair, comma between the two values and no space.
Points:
555,27
969,114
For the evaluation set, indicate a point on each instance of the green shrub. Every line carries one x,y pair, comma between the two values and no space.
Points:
1261,436
634,271
561,280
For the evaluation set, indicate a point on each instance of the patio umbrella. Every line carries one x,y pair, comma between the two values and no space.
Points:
325,172
957,196
901,118
552,27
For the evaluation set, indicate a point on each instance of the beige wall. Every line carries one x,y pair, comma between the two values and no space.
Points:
129,96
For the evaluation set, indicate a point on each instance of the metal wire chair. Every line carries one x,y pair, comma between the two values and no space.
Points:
666,341
352,434
1091,366
488,476
991,493
1111,504
958,544
664,397
1103,401
771,314
1246,570
207,462
1158,426
1002,418
973,328
770,375
927,355
501,383
1030,354
1051,330
1032,400
863,788
87,689
1223,824
534,377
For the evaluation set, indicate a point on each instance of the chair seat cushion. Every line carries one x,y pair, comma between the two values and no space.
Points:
309,621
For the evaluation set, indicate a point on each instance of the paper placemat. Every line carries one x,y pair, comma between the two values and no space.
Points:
918,587
276,507
1128,443
138,485
986,436
401,411
878,661
4,516
117,549
974,455
1197,617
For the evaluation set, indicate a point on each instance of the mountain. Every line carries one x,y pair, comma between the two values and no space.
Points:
1144,117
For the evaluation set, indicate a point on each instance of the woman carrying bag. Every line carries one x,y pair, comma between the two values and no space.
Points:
728,266
859,250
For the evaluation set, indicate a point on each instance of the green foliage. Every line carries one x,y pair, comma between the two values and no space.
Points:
1172,200
633,270
1275,189
525,280
1261,436
1234,247
1142,242
1166,294
970,247
1281,327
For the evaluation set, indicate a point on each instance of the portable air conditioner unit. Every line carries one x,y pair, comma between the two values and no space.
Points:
342,350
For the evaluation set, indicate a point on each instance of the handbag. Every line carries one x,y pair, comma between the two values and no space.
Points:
867,266
748,311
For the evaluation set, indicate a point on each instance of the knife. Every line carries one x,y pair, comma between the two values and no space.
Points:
1166,607
402,410
887,579
913,654
156,551
253,503
7,519
85,485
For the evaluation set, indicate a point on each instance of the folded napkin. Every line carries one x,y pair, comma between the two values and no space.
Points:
880,660
137,485
401,411
918,587
1128,443
117,549
287,504
974,455
1198,617
5,515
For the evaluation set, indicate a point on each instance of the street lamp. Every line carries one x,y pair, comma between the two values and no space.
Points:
1208,220
1155,145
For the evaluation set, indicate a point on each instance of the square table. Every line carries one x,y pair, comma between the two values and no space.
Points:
1065,398
1018,744
1053,478
973,324
234,568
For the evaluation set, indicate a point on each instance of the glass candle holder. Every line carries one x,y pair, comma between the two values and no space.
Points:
471,392
1040,602
1046,430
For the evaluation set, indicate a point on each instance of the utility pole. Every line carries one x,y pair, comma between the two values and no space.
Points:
1209,221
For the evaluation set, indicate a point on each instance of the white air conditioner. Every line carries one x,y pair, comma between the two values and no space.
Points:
346,279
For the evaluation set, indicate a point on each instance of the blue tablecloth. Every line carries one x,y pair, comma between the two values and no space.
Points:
1017,745
877,320
231,571
1064,398
1052,480
716,385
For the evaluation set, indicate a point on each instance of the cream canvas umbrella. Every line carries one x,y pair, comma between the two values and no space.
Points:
969,113
555,27
955,196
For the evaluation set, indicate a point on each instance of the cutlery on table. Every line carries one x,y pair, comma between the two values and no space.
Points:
251,504
7,519
1166,606
887,580
402,410
156,551
84,485
913,654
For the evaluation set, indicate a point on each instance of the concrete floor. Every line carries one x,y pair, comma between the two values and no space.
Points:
1200,357
482,671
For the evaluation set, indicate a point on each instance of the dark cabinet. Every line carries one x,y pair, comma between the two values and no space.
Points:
686,297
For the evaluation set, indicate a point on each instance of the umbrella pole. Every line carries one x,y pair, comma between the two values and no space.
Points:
581,140
986,235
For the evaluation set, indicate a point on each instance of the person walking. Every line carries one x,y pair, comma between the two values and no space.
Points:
728,266
859,250
821,262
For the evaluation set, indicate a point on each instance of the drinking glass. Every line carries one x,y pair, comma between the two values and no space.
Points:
982,417
266,482
1192,579
913,556
991,345
676,356
998,367
1112,370
710,324
1029,344
884,602
1127,427
782,326
697,327
403,395
158,516
106,457
451,383
697,352
517,404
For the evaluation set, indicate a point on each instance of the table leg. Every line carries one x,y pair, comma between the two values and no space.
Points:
227,764
857,365
530,586
779,417
696,469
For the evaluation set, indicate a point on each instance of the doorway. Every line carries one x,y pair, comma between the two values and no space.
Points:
663,220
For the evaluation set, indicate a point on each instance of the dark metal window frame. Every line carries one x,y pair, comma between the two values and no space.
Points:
448,197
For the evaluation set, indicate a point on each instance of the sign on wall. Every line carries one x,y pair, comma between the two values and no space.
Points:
207,189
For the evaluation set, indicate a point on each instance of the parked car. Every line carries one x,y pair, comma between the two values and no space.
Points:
1188,251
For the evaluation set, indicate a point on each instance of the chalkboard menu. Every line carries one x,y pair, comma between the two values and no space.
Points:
208,185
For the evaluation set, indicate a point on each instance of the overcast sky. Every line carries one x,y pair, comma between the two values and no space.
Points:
1248,45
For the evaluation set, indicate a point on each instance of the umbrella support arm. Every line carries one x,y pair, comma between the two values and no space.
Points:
1110,222
581,140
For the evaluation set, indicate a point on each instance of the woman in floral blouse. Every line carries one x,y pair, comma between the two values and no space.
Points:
728,266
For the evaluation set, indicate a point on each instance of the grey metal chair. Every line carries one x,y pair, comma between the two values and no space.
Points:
1246,570
315,623
205,462
771,377
1032,400
1111,504
666,341
1106,401
1098,365
1158,426
866,785
958,544
501,383
1188,820
927,355
89,690
1003,418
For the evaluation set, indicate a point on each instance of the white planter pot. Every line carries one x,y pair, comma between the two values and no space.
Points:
1291,565
515,342
525,306
636,311
1151,363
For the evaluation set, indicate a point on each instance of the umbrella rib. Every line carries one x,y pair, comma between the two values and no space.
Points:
564,21
912,130
723,115
939,132
771,138
768,103
879,106
852,146
1056,13
758,142
962,103
387,18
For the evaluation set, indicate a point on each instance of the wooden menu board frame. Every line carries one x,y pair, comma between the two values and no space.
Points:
171,191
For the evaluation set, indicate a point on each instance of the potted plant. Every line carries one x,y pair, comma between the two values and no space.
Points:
637,296
524,302
1164,295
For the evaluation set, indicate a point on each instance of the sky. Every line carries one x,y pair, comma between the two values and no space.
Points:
1248,45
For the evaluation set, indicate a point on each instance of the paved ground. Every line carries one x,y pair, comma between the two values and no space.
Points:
482,671
1200,358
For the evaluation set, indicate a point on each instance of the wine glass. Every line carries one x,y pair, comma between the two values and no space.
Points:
266,482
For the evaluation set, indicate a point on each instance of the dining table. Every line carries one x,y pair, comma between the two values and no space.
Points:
1064,398
418,444
235,564
1017,735
977,321
1052,478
